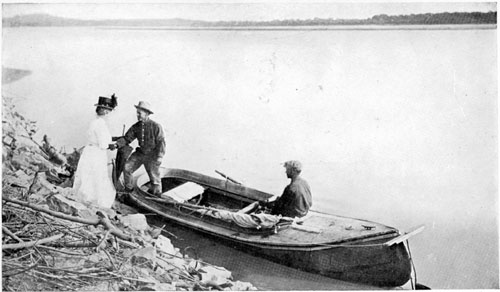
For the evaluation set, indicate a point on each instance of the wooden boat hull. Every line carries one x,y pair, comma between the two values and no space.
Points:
361,259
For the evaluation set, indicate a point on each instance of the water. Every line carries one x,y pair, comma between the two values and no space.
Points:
394,126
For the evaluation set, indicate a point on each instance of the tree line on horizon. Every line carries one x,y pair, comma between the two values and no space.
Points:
381,19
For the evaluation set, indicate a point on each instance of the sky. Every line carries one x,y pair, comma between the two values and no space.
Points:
238,10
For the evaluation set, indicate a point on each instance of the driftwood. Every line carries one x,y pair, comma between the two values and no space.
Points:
103,219
62,251
9,233
20,271
31,243
76,244
53,213
32,259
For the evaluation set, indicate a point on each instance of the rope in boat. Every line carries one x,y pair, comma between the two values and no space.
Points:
251,221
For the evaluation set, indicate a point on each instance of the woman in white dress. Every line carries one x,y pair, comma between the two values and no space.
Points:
93,182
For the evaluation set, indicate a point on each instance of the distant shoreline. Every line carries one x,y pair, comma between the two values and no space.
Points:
360,27
312,28
445,18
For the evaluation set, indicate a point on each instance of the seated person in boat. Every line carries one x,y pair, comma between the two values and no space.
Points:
296,198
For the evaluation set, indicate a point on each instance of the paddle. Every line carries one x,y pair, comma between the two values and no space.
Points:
406,235
228,177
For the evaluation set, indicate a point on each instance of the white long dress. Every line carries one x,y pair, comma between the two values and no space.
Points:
93,182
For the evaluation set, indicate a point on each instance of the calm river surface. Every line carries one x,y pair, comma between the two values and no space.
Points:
393,126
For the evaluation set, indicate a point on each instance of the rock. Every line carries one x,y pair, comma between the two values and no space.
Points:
28,160
145,255
53,177
148,280
123,209
63,262
42,182
164,244
51,151
41,188
161,287
22,161
24,142
192,264
67,192
97,257
146,274
42,163
88,214
155,232
101,286
162,275
128,252
18,179
6,157
135,221
181,285
242,286
8,140
115,286
218,275
59,203
169,264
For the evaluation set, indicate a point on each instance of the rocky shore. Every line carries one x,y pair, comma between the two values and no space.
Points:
51,241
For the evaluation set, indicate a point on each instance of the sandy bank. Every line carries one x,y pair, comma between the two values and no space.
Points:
10,75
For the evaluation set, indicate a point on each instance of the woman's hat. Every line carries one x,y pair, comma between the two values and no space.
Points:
145,106
106,102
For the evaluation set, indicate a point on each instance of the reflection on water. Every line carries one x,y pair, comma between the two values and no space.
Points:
394,126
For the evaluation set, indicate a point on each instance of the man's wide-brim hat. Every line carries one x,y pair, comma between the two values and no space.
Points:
145,106
106,102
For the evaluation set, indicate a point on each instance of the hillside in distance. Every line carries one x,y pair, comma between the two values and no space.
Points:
381,19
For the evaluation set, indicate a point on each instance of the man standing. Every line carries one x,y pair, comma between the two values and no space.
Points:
296,198
150,151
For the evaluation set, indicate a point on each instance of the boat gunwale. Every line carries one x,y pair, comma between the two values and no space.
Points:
320,245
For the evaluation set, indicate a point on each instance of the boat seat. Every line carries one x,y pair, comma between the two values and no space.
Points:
185,192
248,209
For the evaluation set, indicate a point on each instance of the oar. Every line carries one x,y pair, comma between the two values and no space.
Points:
406,235
228,177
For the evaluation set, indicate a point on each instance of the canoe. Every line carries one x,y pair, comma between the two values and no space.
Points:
343,248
